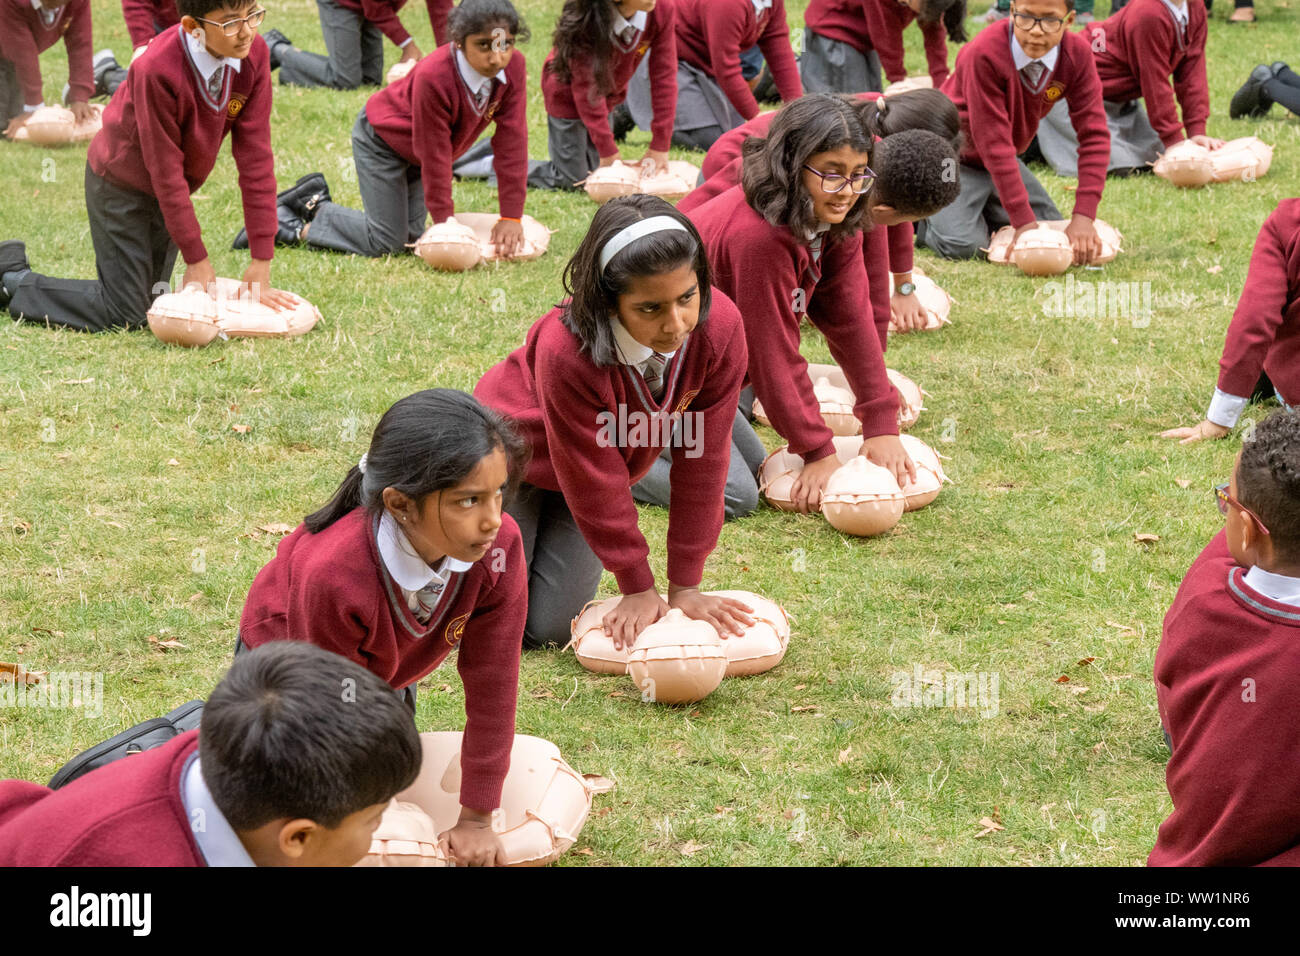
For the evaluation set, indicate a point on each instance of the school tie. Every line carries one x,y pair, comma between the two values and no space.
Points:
627,35
424,601
816,246
49,16
1033,71
214,82
481,96
653,374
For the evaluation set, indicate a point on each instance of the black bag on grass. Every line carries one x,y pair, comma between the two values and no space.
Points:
145,735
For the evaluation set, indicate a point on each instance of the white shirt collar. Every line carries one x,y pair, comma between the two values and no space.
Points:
761,5
630,351
1179,12
472,77
205,61
620,24
1023,59
1278,587
217,840
408,569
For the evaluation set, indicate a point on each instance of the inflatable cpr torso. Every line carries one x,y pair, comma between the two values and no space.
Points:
407,836
56,126
399,70
192,317
627,179
935,303
544,803
912,399
929,474
677,660
906,85
777,474
759,649
1042,252
450,246
1000,244
1185,164
862,499
1246,159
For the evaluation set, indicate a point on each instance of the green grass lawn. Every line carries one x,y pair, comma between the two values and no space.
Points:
130,510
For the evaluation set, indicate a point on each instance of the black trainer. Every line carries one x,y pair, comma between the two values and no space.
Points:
13,258
305,195
288,230
273,39
103,62
1250,101
621,122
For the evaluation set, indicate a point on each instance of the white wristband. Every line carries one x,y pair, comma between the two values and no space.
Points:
405,43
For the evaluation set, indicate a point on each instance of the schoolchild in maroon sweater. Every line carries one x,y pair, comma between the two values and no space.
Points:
900,194
787,243
1226,668
643,355
145,19
597,46
412,559
194,86
1003,83
867,25
1264,334
284,770
408,134
28,29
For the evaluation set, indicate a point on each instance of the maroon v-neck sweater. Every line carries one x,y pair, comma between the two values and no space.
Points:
24,37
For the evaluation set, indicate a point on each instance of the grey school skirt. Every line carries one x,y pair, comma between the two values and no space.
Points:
1133,143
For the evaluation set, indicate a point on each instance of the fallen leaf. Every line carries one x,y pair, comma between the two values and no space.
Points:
173,462
241,429
1094,708
690,848
542,693
1183,482
1084,662
165,645
1122,627
77,381
617,693
800,686
1063,679
10,673
803,709
720,812
1077,689
990,826
1141,538
1214,270
585,851
278,527
789,814
844,757
603,811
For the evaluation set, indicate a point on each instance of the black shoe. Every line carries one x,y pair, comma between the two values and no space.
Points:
1277,66
305,195
13,258
288,230
1251,101
273,39
103,63
621,122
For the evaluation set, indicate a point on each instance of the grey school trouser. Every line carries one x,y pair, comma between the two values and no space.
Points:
1133,143
962,229
573,156
563,571
11,93
392,193
134,257
740,497
833,66
356,52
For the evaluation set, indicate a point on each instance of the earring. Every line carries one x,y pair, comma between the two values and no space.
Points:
197,34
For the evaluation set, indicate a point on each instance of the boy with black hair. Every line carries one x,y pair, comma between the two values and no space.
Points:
298,753
27,29
194,85
354,32
1226,668
1004,81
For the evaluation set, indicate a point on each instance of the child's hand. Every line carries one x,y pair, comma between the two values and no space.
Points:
610,160
632,615
410,52
471,841
257,286
907,313
15,124
1083,236
888,452
81,111
508,237
1201,431
202,275
654,161
1208,142
806,492
727,615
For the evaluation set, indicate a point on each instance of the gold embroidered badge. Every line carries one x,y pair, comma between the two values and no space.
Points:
456,630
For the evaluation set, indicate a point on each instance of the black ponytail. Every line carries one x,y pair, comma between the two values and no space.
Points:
951,12
929,110
585,28
426,442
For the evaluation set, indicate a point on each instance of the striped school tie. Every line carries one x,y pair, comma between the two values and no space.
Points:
1033,71
214,82
628,35
653,374
424,601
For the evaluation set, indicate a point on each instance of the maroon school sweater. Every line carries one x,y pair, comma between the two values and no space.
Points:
428,117
762,267
383,14
878,24
1139,49
711,35
24,37
1225,672
557,397
127,813
1265,329
331,589
578,98
145,18
162,133
1000,115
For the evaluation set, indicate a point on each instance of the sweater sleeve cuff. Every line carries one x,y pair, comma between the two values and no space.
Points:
817,454
1086,206
261,248
193,252
635,579
1195,128
1225,409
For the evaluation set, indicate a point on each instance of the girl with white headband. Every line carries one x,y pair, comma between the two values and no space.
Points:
643,343
411,558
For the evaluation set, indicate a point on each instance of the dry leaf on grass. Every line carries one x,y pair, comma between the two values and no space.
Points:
803,709
690,848
585,851
990,826
276,527
241,429
10,673
1084,662
1214,270
173,462
1142,538
844,756
1122,627
1183,482
1063,679
77,381
165,645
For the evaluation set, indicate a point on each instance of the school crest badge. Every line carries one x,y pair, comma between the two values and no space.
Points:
686,400
236,104
642,49
1054,92
456,630
492,109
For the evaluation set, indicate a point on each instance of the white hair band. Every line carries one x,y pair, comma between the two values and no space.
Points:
637,230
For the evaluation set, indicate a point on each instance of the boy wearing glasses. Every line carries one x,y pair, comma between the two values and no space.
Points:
1261,356
1138,51
1005,81
27,29
195,84
1226,668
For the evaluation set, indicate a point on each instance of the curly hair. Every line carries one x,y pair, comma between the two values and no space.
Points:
772,170
1268,480
916,173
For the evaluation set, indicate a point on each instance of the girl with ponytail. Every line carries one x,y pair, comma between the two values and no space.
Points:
412,557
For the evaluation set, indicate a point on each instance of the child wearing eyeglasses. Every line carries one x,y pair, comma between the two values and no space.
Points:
207,79
1261,355
1226,668
27,29
354,32
1138,51
1003,83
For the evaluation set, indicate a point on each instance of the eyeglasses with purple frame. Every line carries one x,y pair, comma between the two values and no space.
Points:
829,179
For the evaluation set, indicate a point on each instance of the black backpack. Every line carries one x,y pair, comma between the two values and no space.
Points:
145,735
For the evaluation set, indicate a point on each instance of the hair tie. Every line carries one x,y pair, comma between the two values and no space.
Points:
882,105
361,465
637,230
